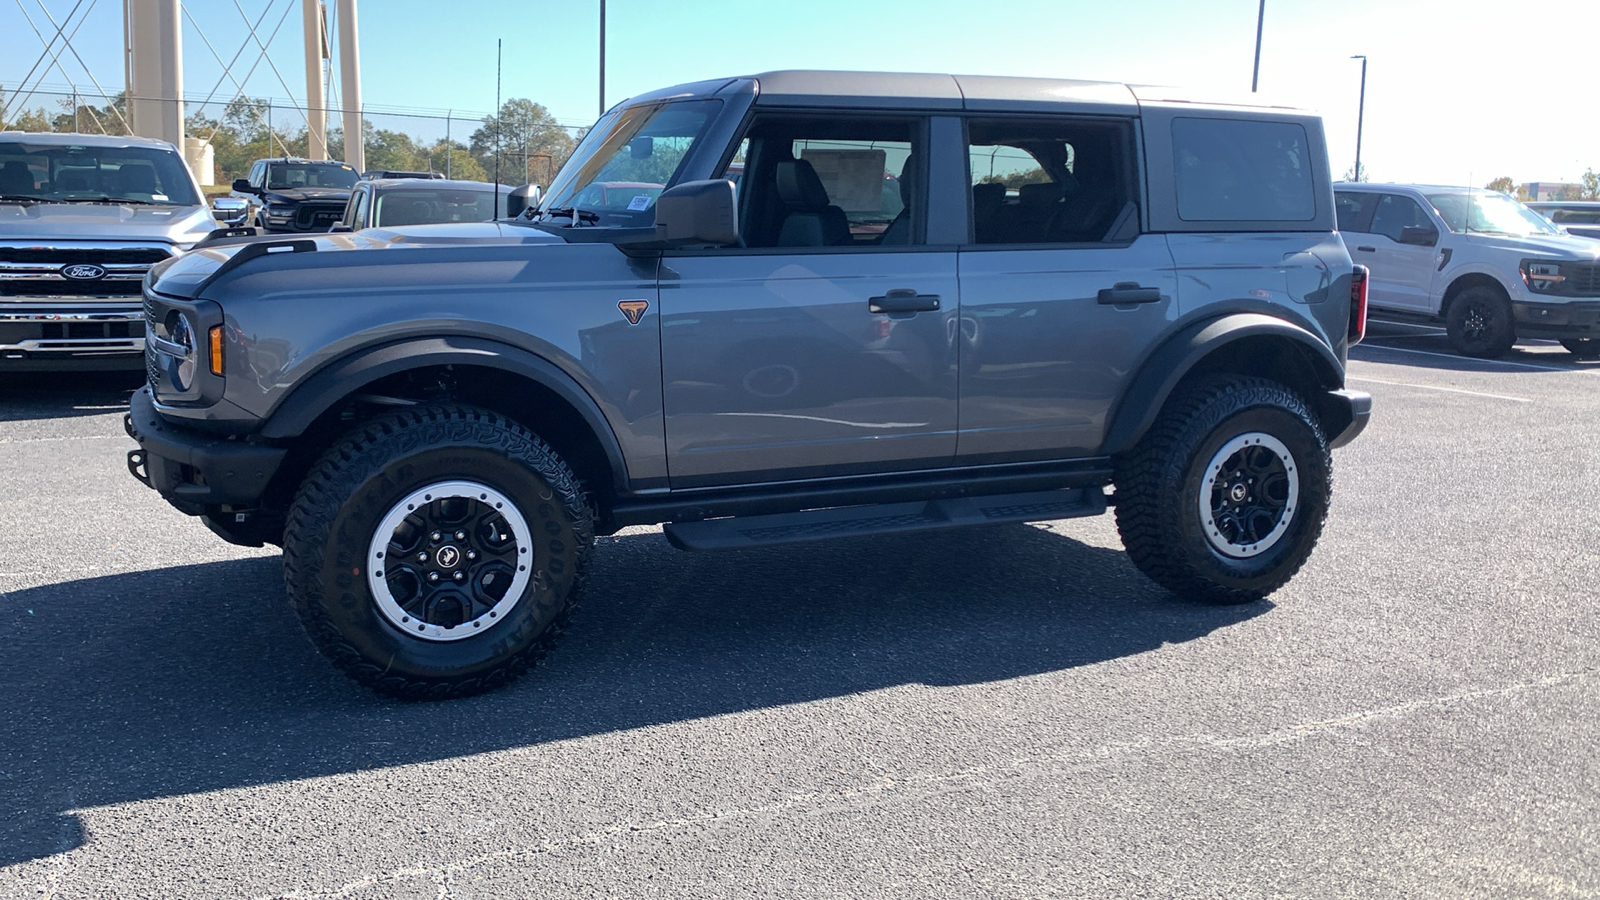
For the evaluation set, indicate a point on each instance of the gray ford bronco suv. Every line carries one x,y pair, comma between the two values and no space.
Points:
862,303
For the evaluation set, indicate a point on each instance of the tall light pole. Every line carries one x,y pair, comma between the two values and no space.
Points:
603,56
1261,16
1361,113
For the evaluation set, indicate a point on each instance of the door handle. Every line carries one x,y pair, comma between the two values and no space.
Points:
1368,249
903,300
1129,292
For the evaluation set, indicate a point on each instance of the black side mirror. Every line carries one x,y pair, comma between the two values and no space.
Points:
521,200
242,185
698,212
1420,235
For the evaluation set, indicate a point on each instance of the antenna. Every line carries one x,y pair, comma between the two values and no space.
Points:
497,124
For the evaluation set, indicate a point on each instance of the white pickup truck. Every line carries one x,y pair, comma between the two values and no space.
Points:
1489,267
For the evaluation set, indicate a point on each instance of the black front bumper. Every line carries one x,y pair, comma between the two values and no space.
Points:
195,470
1573,319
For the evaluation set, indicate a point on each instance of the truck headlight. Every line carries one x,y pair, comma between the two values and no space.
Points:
1541,277
182,334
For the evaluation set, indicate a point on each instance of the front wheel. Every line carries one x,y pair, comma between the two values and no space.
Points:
1583,348
437,552
1479,324
1224,498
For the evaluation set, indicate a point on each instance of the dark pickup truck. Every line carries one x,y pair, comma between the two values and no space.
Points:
863,303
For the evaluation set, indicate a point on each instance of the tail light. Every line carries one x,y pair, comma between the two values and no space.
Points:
1358,305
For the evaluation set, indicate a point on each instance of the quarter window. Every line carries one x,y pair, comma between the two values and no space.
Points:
1234,170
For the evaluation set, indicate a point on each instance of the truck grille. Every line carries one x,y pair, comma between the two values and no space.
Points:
41,287
318,216
1584,280
60,256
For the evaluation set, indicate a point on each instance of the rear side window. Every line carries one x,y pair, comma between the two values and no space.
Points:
1236,170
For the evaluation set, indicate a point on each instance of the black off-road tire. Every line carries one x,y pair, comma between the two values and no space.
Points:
1159,489
366,479
1479,323
1583,348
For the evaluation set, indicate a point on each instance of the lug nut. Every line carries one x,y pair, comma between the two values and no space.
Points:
435,537
433,576
461,535
459,575
472,554
422,557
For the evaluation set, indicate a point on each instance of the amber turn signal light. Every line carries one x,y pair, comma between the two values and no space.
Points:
216,350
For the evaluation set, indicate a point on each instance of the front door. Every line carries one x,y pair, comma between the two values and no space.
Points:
1402,274
826,345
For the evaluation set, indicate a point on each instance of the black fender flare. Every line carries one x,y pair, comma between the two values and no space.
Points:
1172,361
347,375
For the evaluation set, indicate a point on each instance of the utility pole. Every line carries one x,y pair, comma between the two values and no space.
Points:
1261,17
1361,114
603,56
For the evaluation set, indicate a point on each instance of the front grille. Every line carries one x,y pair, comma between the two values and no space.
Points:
52,256
318,215
1584,279
83,331
51,287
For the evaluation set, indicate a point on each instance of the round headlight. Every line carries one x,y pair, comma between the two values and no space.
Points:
183,335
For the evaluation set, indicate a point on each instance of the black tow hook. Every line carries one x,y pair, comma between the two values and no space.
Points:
137,467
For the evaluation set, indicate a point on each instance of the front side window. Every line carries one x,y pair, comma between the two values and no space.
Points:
1047,182
627,160
1395,214
847,183
87,174
1239,170
1489,212
352,211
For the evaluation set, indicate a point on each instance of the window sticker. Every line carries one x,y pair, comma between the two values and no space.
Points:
639,202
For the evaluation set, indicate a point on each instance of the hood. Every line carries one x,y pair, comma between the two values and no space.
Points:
184,276
296,196
104,222
1544,246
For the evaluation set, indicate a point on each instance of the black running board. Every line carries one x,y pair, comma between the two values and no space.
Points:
889,518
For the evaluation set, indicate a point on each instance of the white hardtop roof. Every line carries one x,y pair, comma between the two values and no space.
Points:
74,139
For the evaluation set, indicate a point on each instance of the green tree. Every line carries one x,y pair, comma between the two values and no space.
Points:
1591,186
1503,184
1351,174
532,144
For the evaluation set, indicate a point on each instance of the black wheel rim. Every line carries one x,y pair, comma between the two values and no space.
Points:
1248,495
449,561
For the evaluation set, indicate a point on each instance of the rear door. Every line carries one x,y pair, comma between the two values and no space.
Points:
1061,292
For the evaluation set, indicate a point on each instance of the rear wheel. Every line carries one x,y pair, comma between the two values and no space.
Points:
1224,498
1479,323
1583,348
437,552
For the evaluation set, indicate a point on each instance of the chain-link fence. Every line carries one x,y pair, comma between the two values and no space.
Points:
222,139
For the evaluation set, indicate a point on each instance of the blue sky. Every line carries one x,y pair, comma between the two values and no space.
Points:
1457,92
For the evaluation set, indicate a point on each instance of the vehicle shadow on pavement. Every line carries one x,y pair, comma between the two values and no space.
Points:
196,678
26,396
1441,356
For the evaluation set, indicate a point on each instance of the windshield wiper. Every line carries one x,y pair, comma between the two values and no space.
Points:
570,212
117,200
26,198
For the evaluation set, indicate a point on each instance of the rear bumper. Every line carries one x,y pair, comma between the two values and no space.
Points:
1347,412
192,469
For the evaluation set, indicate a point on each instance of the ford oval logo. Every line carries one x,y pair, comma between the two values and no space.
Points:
83,272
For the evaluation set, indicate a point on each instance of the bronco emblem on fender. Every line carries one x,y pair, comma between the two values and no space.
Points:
633,309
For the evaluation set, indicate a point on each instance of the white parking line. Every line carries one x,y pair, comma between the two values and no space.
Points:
1431,387
1493,362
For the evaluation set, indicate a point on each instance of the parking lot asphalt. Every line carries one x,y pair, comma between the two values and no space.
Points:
1005,712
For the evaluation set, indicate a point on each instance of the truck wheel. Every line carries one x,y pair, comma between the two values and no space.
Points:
1583,348
1479,324
1224,498
437,552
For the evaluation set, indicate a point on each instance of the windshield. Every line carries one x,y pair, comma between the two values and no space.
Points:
298,176
1489,212
68,174
626,161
